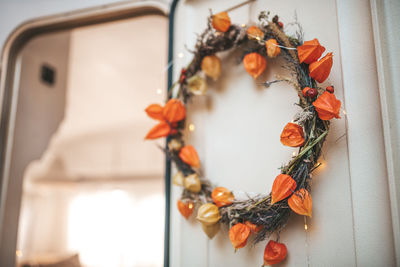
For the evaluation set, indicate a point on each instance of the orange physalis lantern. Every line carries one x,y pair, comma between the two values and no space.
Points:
273,49
255,33
253,228
254,64
319,70
238,235
211,65
174,111
327,106
188,154
310,51
186,209
162,129
171,113
283,186
155,111
301,202
222,196
221,21
274,253
292,135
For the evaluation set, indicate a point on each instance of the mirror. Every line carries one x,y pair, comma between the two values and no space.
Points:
93,190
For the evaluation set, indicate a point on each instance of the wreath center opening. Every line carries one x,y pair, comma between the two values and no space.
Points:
239,120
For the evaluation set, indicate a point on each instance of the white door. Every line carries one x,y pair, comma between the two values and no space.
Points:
237,129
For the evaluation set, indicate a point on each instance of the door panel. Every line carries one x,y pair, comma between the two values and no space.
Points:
237,129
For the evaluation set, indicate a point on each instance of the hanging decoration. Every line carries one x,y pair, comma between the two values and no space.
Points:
263,215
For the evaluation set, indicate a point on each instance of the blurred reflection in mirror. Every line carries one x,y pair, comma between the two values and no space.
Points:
96,195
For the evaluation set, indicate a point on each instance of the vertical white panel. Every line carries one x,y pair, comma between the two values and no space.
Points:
372,218
385,18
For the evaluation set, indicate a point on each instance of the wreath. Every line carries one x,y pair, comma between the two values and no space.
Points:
261,215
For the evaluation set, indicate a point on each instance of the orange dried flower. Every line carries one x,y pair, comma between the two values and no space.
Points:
310,51
238,235
174,111
301,202
185,208
168,116
327,106
273,50
292,135
221,21
155,111
255,33
211,65
283,186
162,129
222,196
254,64
188,154
319,70
274,253
253,228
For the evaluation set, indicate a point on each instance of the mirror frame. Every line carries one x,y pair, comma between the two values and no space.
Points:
11,193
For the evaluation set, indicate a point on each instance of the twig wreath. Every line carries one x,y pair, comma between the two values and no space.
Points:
264,214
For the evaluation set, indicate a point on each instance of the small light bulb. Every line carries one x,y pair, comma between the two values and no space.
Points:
18,253
180,55
190,205
243,25
305,227
294,153
321,166
344,112
191,127
159,91
258,38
